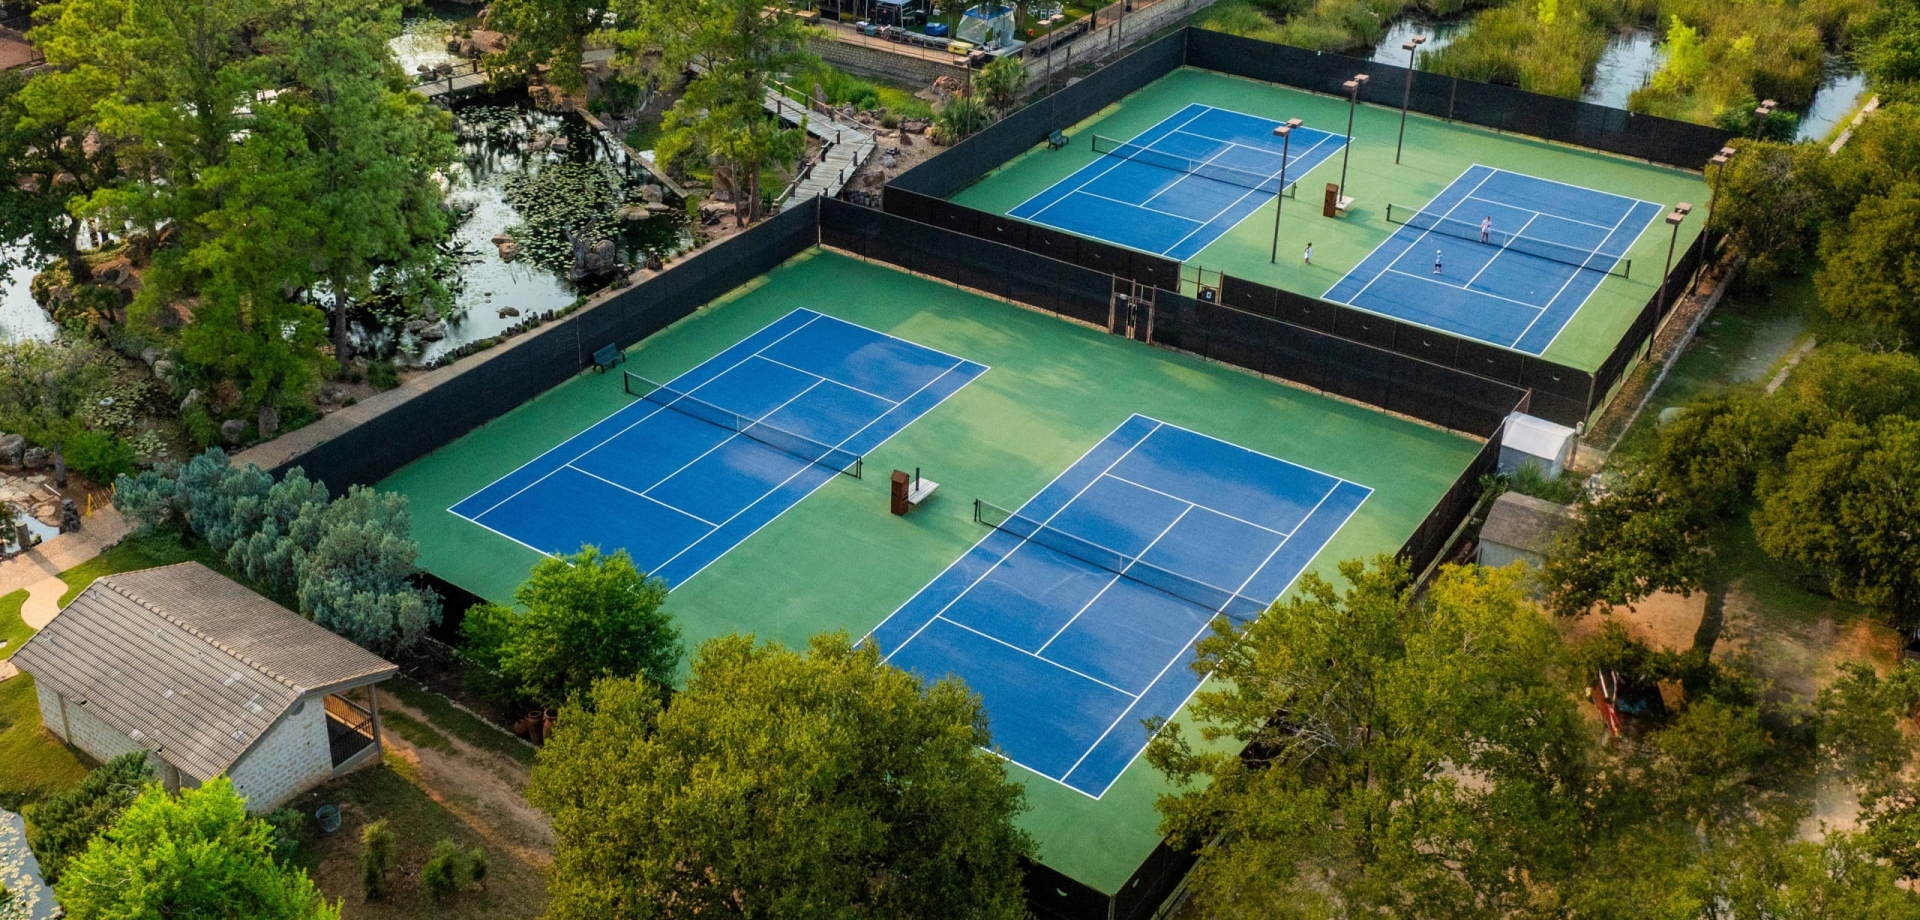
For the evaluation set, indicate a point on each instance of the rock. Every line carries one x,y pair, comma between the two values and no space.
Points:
193,399
653,261
232,430
415,326
434,332
12,449
163,369
150,355
538,141
269,422
175,316
508,311
652,193
633,212
36,458
559,144
914,126
601,256
509,250
888,162
656,207
499,238
69,516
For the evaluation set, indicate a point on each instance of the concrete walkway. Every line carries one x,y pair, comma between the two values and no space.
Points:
43,601
97,531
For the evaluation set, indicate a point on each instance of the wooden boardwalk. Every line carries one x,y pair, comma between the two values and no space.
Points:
845,146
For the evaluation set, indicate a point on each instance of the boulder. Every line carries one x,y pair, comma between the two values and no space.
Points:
434,332
232,430
163,369
150,355
888,162
509,250
415,326
13,449
508,311
36,458
559,144
914,126
601,257
652,193
193,399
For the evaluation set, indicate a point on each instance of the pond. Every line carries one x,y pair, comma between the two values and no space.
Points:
1439,32
1627,64
1834,101
20,317
503,139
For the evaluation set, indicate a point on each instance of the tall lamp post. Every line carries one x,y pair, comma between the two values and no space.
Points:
1353,101
1406,97
1719,162
1764,112
1285,133
1679,213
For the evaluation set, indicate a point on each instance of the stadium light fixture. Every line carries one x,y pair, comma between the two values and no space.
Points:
1411,47
1719,162
1674,219
1764,112
1353,101
1285,133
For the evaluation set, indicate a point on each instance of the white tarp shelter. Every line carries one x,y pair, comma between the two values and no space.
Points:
1537,442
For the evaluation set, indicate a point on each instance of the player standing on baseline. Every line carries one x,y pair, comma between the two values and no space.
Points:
1486,227
1436,261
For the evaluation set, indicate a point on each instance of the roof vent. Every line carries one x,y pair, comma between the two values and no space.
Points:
137,735
167,695
239,735
236,677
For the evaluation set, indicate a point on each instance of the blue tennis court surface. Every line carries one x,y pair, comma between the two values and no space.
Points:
1069,656
1550,246
1176,187
676,490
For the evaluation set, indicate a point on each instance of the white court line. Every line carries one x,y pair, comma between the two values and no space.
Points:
1576,275
1259,453
827,379
1203,163
476,518
1197,505
941,613
674,508
1179,217
1583,188
1131,696
1041,651
1431,280
796,473
1539,213
1204,109
1502,251
976,544
1209,675
1236,202
726,440
1415,242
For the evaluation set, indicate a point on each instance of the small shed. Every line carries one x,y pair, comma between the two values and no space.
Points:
1535,442
1520,527
208,678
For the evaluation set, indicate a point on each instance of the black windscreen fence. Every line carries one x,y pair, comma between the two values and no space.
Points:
1105,258
1435,533
1503,108
485,386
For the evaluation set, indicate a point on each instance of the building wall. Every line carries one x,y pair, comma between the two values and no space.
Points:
1497,555
90,733
290,759
877,62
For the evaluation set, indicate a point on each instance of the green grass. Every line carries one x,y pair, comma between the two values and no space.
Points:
392,790
417,733
457,722
838,561
645,135
1436,154
139,551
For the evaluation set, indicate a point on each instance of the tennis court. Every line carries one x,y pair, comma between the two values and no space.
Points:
691,468
1545,249
1176,187
1076,617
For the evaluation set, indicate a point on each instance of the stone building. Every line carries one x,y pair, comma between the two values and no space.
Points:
1520,527
208,678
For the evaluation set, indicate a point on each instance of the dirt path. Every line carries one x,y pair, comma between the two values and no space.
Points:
486,791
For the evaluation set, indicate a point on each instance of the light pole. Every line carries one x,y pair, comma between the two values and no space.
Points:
1406,98
1353,101
1680,212
1285,133
1719,161
1764,112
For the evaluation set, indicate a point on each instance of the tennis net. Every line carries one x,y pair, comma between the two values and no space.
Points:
1140,153
659,394
1236,607
1528,245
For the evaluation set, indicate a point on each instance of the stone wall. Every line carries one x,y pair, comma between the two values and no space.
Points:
89,732
292,758
883,64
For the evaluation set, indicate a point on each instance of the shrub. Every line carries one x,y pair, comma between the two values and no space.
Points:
290,827
98,456
61,826
477,866
383,375
443,871
376,859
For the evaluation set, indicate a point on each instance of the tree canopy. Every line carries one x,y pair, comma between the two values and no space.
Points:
581,618
197,854
64,824
780,783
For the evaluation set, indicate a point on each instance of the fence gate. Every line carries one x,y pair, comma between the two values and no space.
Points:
1201,284
1130,311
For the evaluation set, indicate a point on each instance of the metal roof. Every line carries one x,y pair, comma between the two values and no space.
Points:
190,664
1523,522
